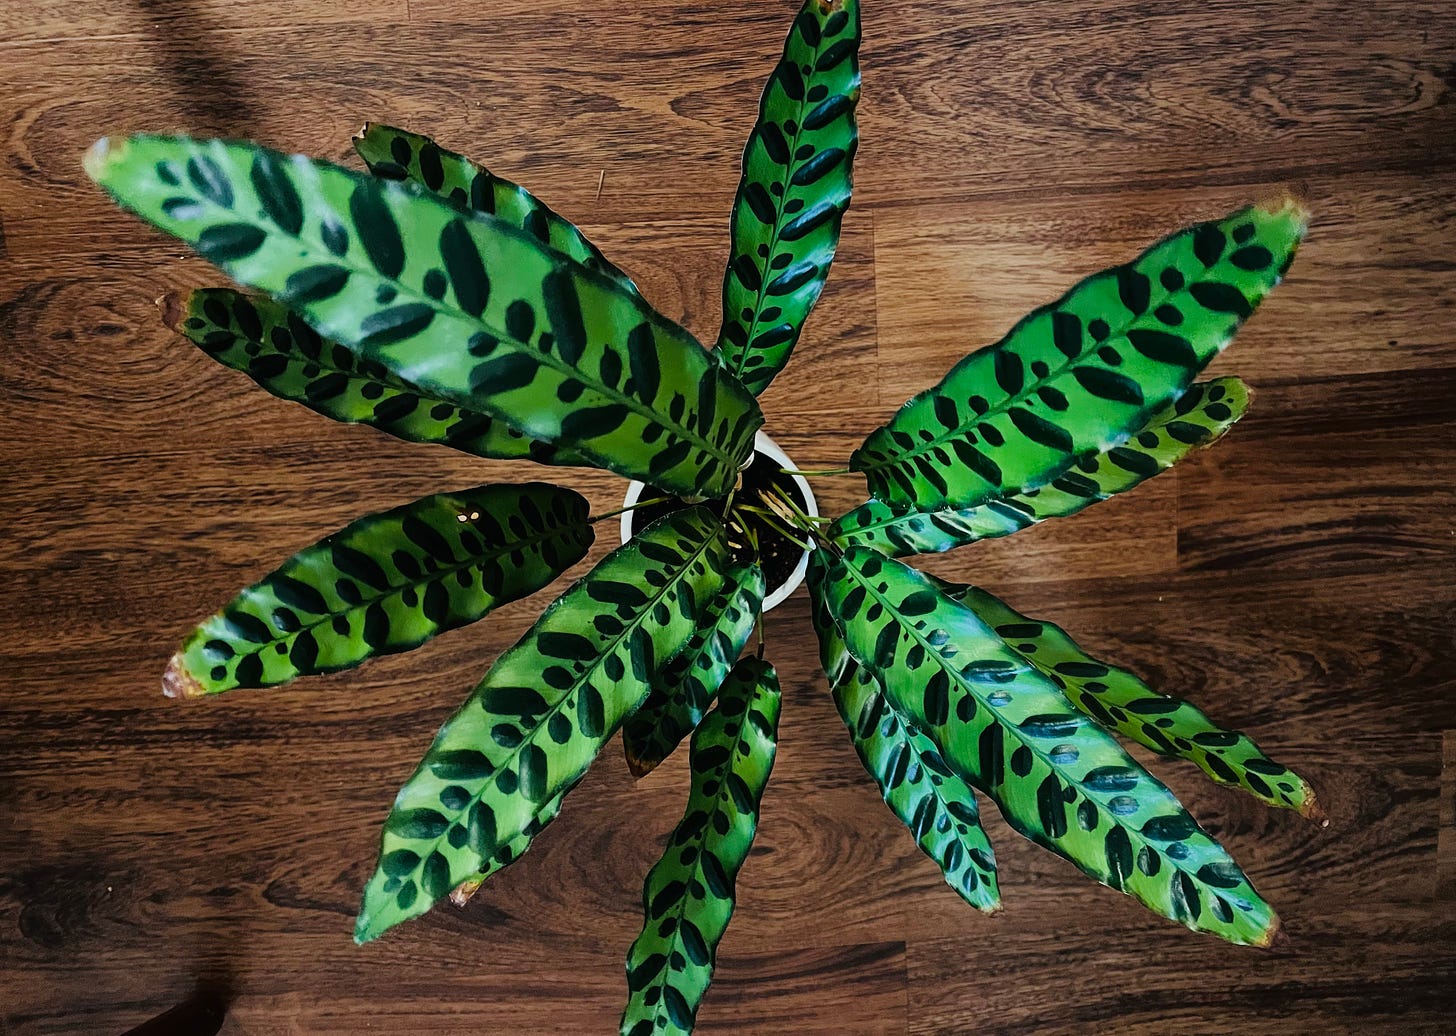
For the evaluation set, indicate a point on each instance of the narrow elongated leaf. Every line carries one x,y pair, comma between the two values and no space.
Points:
536,721
1079,376
1197,418
1121,702
685,687
275,347
397,154
386,583
937,806
796,186
687,898
1057,777
467,308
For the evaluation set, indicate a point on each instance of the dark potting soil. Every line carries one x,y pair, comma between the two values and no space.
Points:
778,555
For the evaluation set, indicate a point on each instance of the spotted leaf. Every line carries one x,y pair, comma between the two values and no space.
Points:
536,721
920,788
467,308
397,154
796,186
274,346
1197,418
687,899
1008,730
685,687
384,584
1122,703
510,852
1078,377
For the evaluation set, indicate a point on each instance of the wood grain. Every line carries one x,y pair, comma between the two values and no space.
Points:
1296,581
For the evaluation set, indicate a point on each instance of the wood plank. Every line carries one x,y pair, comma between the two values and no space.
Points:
50,21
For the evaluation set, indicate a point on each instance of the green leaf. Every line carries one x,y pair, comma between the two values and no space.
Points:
685,687
1120,702
917,784
536,721
274,346
1079,376
386,583
1007,730
796,186
467,308
397,154
687,898
1197,418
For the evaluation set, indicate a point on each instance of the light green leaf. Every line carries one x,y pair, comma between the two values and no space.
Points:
685,687
467,308
1079,376
1057,777
386,583
687,898
1121,702
918,785
510,852
796,185
397,154
275,347
1195,419
538,719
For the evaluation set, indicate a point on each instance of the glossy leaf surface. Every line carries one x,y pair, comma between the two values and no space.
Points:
796,185
536,721
1121,702
468,308
275,347
687,898
1195,419
1081,375
1057,777
684,688
397,154
920,788
386,583
510,852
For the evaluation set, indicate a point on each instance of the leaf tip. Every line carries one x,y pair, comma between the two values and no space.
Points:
639,766
1274,936
461,893
172,309
177,682
98,155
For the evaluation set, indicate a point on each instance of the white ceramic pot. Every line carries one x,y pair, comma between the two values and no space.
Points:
770,449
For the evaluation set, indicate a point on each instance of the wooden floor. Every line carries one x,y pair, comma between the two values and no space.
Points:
1298,581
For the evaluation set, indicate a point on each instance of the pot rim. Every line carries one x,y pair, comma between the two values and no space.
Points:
761,444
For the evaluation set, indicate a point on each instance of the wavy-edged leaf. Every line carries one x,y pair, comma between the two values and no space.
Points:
687,898
386,583
1121,702
275,347
796,185
536,721
685,687
397,154
1057,777
468,308
937,806
1197,418
1079,376
510,852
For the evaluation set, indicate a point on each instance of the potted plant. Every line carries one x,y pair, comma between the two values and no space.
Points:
443,304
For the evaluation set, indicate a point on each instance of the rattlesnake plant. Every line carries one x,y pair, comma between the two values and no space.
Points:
443,304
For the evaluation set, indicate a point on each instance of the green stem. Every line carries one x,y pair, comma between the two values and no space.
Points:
630,507
818,473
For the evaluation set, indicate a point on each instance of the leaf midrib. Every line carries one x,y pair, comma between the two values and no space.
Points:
440,573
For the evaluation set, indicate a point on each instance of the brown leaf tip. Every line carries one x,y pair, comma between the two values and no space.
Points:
173,311
177,682
461,893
